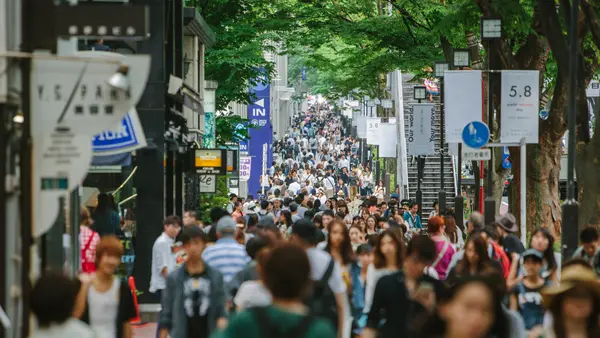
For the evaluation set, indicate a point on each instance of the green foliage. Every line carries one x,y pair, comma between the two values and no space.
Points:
226,132
209,201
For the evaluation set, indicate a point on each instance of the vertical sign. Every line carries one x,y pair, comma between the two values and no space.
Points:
245,164
520,106
388,137
421,132
243,144
259,114
208,140
373,130
463,101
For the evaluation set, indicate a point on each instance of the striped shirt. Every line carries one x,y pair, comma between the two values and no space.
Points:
227,256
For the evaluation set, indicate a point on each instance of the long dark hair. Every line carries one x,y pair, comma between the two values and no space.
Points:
435,326
463,268
346,246
379,258
104,204
288,217
549,252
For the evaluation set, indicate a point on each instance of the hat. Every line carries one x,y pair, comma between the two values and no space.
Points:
293,207
267,220
572,276
533,253
226,224
250,208
507,222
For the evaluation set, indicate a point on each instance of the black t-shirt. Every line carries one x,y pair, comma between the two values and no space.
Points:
511,244
392,303
196,290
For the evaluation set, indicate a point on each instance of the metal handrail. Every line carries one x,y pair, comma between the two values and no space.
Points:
454,175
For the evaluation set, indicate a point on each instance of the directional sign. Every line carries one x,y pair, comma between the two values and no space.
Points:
108,22
208,184
476,134
470,154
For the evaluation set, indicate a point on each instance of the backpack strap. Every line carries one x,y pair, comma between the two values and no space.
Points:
328,272
264,323
301,329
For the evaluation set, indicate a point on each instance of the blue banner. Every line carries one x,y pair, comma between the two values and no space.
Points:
259,114
506,163
128,136
303,73
244,144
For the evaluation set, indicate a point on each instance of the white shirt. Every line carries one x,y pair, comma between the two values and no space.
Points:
162,257
319,261
252,294
71,328
328,183
103,308
373,275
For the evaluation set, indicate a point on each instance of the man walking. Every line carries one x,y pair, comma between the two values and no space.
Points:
227,255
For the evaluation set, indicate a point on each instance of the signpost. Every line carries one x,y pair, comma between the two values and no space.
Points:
373,130
520,106
420,132
245,166
476,134
211,161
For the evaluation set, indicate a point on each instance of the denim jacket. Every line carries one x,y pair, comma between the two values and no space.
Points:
173,316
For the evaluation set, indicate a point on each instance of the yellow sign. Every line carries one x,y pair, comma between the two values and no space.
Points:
208,158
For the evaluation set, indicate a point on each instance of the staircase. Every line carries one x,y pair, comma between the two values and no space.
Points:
430,185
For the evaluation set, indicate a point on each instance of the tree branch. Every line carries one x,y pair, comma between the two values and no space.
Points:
554,34
592,21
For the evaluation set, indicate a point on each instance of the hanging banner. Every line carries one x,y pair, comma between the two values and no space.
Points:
259,114
208,138
388,138
124,138
420,135
245,165
373,124
361,126
463,101
520,106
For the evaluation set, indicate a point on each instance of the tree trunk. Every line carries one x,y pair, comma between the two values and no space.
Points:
587,162
542,190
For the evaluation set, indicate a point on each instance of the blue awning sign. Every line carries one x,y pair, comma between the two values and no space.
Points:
126,137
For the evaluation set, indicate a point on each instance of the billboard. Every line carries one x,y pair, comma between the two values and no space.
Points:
259,114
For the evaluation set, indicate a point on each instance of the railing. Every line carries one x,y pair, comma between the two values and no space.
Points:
456,189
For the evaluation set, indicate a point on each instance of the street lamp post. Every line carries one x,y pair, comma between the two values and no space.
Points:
419,94
491,30
460,58
440,68
570,226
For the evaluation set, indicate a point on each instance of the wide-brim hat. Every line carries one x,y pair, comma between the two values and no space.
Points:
507,222
571,277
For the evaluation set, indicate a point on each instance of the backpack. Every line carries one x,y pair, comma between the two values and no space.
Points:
499,255
268,330
322,300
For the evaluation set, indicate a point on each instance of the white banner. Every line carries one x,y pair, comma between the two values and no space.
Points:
361,126
463,101
388,137
520,106
245,165
420,133
373,124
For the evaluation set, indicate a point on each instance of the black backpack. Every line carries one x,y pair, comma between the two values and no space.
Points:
268,330
322,299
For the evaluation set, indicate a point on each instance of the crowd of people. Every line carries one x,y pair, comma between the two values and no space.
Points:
313,255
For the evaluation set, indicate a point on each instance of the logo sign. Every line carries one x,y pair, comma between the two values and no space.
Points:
208,184
544,114
245,164
593,90
421,132
476,134
126,137
243,144
470,154
387,104
211,161
233,182
506,163
520,106
373,124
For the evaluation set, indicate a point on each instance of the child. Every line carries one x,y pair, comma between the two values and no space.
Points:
525,296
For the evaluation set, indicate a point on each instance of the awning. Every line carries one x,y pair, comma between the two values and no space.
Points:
195,25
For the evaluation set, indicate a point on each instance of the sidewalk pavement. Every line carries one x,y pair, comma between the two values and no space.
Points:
144,331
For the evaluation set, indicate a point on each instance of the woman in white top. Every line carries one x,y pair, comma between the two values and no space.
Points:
388,258
379,192
106,303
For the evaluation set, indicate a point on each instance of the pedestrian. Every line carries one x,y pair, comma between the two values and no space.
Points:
287,275
163,261
329,293
193,302
226,255
106,218
590,247
445,249
189,218
574,305
388,257
412,218
88,240
106,303
542,241
475,262
405,296
52,303
507,226
473,309
525,296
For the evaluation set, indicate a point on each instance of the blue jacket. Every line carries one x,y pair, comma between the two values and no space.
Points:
173,316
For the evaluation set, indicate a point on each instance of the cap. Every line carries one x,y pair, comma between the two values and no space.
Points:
293,207
533,253
226,225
